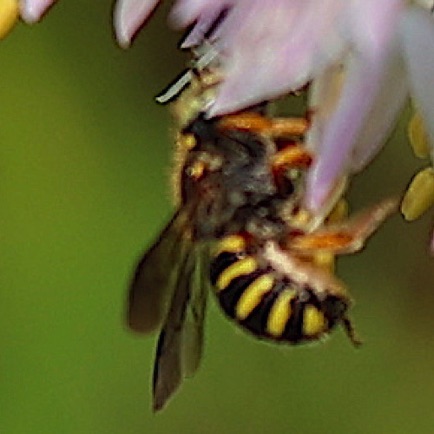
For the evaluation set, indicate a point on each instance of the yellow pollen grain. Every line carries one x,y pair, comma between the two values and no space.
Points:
280,313
418,136
9,12
283,127
419,196
240,268
231,244
252,295
314,321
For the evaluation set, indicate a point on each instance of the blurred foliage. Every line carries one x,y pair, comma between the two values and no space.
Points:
84,162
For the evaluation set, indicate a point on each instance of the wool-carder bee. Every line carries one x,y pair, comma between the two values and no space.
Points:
240,227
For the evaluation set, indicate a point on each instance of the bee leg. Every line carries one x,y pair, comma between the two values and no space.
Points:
284,127
345,237
291,156
245,121
286,164
334,242
350,332
256,123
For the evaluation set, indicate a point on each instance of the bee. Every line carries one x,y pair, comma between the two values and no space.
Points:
239,229
280,289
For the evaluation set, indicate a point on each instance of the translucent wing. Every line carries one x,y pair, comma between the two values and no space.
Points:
155,277
180,343
193,331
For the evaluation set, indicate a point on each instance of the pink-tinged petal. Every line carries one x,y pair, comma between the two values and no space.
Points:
186,12
262,64
364,74
333,157
32,10
372,24
324,94
417,34
382,116
129,16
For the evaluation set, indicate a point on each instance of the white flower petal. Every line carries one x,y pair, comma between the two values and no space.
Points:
324,94
417,34
129,16
393,91
371,24
186,12
32,10
304,41
333,158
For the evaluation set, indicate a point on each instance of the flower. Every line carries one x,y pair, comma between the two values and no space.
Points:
375,52
32,10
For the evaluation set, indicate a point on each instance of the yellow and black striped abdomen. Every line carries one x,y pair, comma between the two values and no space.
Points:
267,304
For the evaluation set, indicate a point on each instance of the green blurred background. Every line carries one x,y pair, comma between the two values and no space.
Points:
84,162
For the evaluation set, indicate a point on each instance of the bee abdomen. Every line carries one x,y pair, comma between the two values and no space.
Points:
265,303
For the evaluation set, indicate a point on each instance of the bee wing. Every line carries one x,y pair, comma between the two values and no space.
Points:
195,315
181,340
155,277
